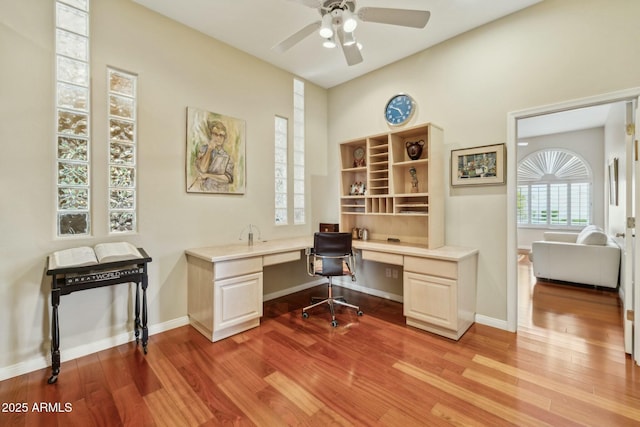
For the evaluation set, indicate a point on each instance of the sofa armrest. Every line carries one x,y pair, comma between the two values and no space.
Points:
560,236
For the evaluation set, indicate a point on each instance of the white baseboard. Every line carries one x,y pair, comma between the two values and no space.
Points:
66,354
490,321
345,282
302,287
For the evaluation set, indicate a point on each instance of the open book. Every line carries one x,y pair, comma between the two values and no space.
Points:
100,253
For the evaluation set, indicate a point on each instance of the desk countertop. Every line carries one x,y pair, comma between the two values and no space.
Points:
449,253
243,250
261,248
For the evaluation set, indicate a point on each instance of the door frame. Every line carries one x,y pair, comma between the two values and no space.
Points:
512,237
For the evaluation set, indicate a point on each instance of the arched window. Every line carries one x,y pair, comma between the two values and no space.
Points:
555,188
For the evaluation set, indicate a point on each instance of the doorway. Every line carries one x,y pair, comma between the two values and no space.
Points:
518,121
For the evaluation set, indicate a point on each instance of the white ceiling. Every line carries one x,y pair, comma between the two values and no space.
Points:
255,26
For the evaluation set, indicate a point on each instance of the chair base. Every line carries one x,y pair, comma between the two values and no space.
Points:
331,301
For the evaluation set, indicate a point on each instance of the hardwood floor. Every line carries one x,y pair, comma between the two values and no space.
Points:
565,367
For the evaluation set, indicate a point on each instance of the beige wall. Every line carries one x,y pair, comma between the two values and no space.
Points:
555,51
177,67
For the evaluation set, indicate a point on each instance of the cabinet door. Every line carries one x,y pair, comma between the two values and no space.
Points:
237,300
430,299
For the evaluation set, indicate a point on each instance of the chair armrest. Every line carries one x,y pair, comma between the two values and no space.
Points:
314,264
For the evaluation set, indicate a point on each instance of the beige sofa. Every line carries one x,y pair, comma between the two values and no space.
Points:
589,257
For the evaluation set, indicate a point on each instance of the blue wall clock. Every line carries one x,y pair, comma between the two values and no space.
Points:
399,109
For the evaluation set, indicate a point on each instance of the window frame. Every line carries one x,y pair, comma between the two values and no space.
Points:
550,174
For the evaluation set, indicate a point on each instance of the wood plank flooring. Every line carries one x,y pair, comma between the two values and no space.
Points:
564,367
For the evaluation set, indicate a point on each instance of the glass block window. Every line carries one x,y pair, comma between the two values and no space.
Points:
280,165
298,152
554,190
122,151
73,213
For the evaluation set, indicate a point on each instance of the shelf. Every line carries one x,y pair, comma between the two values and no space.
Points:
389,208
412,205
411,195
415,163
412,213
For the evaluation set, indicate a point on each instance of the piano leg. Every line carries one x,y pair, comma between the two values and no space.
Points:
55,336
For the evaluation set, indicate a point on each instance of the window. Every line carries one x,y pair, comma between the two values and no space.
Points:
554,189
298,152
73,118
122,150
280,164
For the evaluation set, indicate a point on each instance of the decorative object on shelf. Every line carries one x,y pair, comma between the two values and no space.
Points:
483,165
358,157
414,149
357,189
364,234
414,180
355,233
399,109
215,153
329,227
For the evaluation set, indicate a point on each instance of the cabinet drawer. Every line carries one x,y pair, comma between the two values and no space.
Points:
433,267
236,267
281,258
382,257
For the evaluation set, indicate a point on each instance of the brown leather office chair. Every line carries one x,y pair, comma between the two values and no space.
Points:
331,256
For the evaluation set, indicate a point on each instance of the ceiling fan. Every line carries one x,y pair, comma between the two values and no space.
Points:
339,19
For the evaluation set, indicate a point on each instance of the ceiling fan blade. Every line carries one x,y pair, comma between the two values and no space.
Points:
402,17
309,3
296,38
351,53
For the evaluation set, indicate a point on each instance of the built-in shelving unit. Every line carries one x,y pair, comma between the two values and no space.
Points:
392,195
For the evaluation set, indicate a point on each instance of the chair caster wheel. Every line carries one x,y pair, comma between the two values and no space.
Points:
305,315
360,313
334,323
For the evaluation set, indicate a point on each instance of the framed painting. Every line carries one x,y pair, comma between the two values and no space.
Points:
478,166
216,157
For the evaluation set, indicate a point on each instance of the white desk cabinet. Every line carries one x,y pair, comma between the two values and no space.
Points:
226,284
439,295
439,285
226,297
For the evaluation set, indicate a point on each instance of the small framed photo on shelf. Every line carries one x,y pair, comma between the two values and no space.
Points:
357,189
483,165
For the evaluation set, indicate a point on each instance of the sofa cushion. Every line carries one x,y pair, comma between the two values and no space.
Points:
592,235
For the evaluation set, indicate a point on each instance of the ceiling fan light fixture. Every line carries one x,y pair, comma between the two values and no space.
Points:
349,22
326,29
329,43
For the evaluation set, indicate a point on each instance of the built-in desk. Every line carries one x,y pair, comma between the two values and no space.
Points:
439,285
225,283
